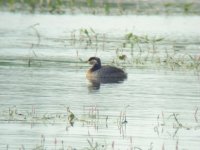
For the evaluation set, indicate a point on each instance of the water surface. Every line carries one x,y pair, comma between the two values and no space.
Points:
42,75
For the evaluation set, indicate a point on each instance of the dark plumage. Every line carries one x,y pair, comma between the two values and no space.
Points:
99,71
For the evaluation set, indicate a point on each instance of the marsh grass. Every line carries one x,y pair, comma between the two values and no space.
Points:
131,50
89,117
102,7
32,117
166,122
122,121
95,145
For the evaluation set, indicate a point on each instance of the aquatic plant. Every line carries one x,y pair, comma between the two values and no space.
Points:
70,116
169,123
32,53
90,3
172,121
122,121
94,145
107,8
84,33
72,3
168,4
101,7
11,5
129,50
187,7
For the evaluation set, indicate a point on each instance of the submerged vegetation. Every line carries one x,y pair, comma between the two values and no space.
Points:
130,50
102,7
171,123
133,49
91,117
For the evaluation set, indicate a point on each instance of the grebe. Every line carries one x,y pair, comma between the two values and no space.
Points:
97,71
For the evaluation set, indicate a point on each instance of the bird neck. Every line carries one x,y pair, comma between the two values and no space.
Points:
96,67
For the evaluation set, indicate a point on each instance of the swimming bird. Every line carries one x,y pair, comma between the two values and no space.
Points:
110,73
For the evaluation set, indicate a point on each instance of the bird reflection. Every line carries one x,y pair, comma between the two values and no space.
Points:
95,84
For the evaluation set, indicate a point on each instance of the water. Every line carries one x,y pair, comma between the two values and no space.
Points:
41,76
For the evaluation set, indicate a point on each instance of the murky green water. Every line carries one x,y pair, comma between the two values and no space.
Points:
42,71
